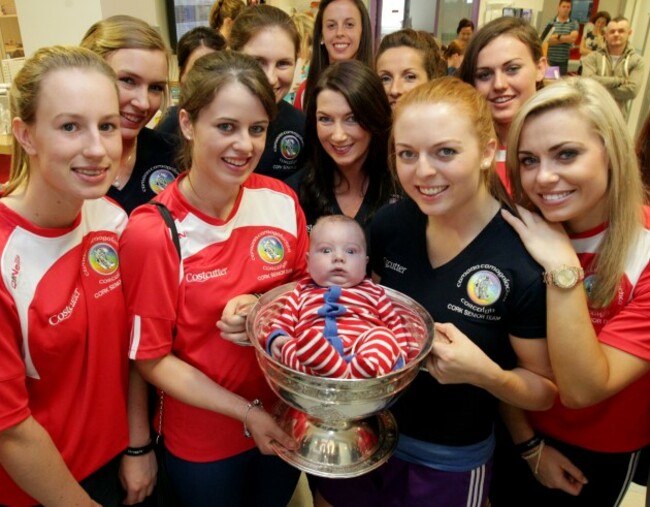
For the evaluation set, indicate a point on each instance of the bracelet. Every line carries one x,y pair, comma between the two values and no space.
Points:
253,404
535,453
529,444
138,451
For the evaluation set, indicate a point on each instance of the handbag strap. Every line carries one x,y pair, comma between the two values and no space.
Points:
171,225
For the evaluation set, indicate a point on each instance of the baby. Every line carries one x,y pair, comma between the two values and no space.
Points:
338,323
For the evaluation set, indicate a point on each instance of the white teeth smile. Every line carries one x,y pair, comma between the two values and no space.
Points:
555,197
235,162
340,46
431,190
501,100
131,117
89,172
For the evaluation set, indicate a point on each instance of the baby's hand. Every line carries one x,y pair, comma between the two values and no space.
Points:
276,346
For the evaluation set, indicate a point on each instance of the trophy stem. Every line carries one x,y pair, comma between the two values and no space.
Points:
337,449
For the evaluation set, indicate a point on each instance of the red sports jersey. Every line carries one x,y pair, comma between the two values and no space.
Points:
360,322
262,244
620,423
63,336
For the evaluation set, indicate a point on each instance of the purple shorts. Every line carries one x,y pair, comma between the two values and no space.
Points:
399,483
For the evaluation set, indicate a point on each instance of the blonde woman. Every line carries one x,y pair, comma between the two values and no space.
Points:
572,162
139,57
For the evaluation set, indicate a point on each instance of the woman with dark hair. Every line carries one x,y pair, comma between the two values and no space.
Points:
593,36
453,54
464,32
405,59
348,124
191,46
342,31
218,437
270,36
504,62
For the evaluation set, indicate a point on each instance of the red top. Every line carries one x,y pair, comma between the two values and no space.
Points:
620,423
262,244
63,347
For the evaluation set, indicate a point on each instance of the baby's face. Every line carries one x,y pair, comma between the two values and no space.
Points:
337,254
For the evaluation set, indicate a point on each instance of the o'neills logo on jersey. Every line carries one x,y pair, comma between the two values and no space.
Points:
15,271
205,276
103,258
158,177
270,249
66,313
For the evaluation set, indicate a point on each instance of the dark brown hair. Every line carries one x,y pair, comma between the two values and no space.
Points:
432,61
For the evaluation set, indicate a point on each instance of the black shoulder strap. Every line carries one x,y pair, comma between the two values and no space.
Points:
169,221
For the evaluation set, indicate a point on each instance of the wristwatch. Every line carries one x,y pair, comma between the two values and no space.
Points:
565,277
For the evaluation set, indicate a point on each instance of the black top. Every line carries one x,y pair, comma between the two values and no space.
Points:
154,169
284,152
490,290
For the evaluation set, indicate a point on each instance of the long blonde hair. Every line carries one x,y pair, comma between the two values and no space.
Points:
26,90
624,199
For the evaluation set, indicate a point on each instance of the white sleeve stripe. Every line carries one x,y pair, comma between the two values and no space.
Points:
135,336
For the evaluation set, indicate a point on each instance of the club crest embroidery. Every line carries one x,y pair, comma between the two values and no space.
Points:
270,250
103,259
484,288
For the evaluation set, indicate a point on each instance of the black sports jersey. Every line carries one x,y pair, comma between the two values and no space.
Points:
154,169
490,290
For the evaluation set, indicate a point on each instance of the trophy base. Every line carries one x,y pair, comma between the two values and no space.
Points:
339,449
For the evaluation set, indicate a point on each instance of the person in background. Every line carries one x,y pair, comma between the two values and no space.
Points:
617,66
214,388
564,35
572,163
453,54
504,62
223,14
137,53
63,347
448,247
192,45
270,36
593,35
305,26
342,31
464,32
348,124
405,59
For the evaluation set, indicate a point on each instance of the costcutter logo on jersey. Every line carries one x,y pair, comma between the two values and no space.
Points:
157,178
103,258
270,249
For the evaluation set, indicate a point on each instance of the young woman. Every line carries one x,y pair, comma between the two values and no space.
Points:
348,124
223,14
405,59
572,161
342,31
504,62
62,317
453,54
448,247
191,46
214,389
464,32
139,57
270,36
593,37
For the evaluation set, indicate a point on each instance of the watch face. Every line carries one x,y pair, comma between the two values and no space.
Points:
566,278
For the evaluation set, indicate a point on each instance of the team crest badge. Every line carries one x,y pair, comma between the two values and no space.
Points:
270,250
103,258
484,288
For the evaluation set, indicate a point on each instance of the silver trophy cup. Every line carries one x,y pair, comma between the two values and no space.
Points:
342,426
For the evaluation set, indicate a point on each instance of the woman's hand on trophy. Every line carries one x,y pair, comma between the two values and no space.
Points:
233,319
266,432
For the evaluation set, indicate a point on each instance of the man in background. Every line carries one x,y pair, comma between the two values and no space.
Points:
565,33
617,66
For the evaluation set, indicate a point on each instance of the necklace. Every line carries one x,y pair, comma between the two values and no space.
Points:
128,164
